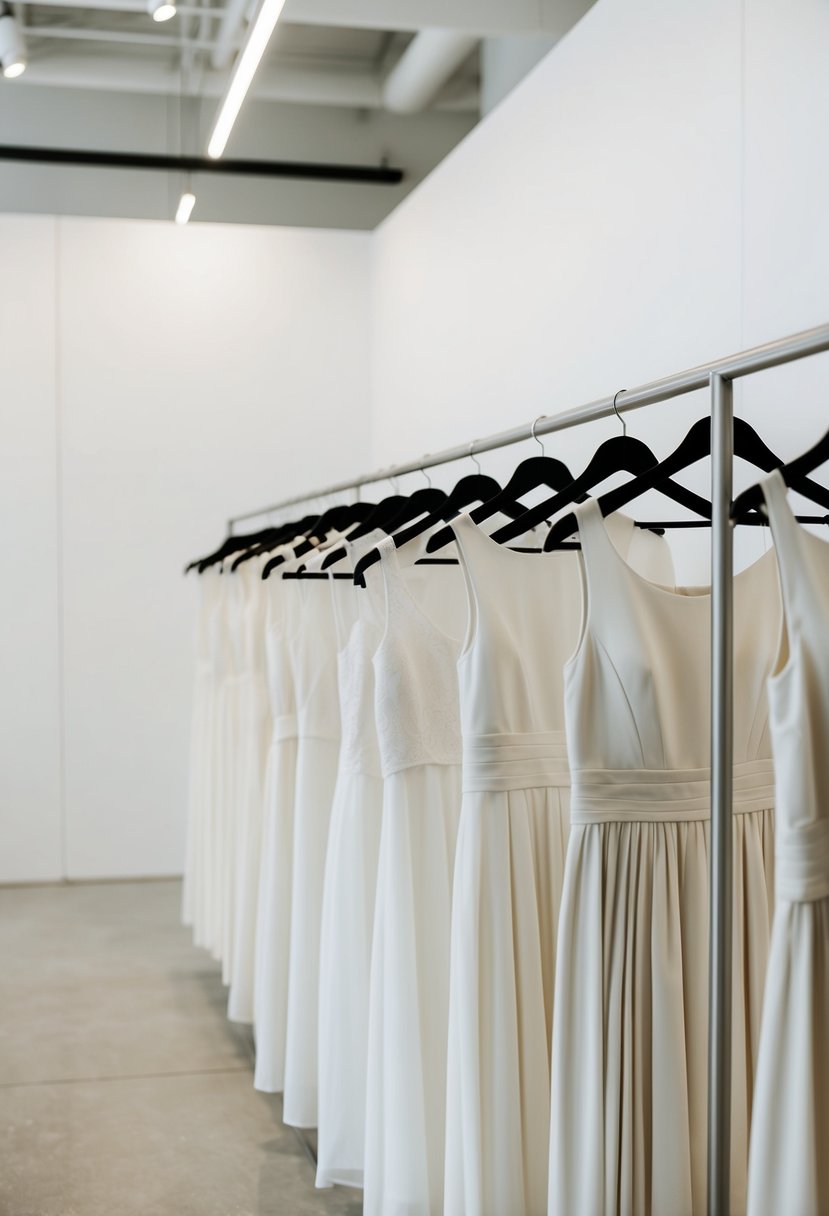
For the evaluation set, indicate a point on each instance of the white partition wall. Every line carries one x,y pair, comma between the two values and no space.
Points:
30,720
156,379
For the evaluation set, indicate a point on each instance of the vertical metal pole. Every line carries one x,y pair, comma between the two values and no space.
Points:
719,964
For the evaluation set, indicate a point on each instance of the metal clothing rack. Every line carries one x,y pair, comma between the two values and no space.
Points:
718,377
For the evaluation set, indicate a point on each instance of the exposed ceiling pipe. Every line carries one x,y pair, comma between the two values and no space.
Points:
229,32
123,73
428,63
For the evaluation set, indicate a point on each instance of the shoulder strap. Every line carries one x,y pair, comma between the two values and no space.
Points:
787,538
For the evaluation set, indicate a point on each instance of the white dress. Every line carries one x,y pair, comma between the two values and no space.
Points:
273,923
418,728
231,712
629,1092
789,1159
197,893
255,737
312,648
349,890
524,612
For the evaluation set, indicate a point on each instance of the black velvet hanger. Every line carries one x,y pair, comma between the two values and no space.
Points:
282,536
694,447
795,477
231,544
393,512
477,487
337,517
621,453
531,473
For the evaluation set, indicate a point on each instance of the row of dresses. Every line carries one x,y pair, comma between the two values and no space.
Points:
449,836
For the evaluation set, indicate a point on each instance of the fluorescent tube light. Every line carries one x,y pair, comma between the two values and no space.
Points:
185,207
249,59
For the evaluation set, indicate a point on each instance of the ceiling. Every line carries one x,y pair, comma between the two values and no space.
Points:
360,81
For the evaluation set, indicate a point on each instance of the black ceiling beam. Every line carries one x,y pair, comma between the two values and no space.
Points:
381,175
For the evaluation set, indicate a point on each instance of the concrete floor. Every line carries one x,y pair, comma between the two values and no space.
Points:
124,1090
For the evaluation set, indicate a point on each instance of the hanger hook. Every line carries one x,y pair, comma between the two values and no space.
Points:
473,457
425,474
618,415
533,434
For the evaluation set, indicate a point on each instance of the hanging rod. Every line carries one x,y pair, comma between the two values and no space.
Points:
733,367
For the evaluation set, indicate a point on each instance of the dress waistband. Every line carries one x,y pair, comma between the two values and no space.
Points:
802,862
514,762
665,795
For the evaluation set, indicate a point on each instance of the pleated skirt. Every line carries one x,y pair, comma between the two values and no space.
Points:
789,1159
316,776
509,871
345,964
409,993
630,1034
273,921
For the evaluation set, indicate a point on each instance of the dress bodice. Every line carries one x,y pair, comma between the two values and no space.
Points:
524,613
637,690
416,681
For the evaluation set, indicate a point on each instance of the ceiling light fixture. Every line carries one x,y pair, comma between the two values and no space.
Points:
161,10
250,56
12,45
185,207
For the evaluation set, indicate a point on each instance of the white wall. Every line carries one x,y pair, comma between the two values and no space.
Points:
199,371
650,197
30,786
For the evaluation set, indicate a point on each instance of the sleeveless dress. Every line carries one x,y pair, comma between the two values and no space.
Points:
629,1094
255,735
312,648
197,893
418,729
789,1166
273,920
232,709
349,888
524,612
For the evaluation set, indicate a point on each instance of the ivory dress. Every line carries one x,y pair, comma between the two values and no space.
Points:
628,1131
312,649
789,1159
524,614
418,728
273,921
196,893
255,736
350,885
230,748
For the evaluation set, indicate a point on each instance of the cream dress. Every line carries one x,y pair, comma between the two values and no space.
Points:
524,612
197,893
629,1093
312,648
789,1160
350,885
273,921
418,728
254,741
